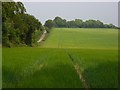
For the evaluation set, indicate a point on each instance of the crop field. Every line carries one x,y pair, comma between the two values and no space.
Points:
82,38
59,62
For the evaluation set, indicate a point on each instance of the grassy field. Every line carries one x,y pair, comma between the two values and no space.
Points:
82,38
52,64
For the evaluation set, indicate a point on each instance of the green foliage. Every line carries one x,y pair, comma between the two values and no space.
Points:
36,36
18,27
94,24
49,24
59,22
47,29
78,23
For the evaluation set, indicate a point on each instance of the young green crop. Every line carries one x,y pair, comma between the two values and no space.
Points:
36,67
82,38
50,64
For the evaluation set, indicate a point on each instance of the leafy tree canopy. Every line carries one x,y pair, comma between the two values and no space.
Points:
78,23
18,27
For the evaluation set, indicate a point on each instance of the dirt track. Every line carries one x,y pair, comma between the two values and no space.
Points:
42,37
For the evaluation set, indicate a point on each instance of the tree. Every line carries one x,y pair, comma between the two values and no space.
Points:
49,24
78,23
17,26
71,24
32,24
59,22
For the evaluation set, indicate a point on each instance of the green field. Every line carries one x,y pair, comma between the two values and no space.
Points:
82,38
52,64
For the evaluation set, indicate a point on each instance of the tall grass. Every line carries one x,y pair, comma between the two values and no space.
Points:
100,67
33,67
49,65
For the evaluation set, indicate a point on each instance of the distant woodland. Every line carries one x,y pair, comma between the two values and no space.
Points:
77,23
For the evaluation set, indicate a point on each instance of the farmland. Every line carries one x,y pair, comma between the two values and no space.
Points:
82,38
52,63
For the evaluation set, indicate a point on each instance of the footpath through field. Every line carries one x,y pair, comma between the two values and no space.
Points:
42,37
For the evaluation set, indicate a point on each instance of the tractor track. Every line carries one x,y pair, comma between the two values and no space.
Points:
81,76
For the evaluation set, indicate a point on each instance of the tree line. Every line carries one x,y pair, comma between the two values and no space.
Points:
77,23
18,27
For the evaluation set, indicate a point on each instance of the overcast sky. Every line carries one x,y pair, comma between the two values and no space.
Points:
106,12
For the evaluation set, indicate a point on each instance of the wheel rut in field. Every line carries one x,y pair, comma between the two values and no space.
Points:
81,76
